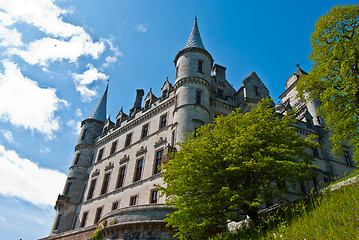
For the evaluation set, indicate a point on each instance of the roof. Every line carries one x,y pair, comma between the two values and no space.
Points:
300,72
99,112
194,39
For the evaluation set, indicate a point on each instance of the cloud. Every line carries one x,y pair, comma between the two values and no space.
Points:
78,112
2,219
10,37
58,49
111,59
23,103
44,149
8,136
83,80
26,180
43,14
142,27
75,125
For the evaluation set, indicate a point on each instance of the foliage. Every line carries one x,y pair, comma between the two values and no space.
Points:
97,235
231,167
334,78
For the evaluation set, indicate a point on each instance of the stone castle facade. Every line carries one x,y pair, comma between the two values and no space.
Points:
115,165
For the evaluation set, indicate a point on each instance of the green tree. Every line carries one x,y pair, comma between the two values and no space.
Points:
231,167
334,78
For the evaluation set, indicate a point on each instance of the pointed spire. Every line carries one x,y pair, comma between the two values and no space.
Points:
99,112
194,39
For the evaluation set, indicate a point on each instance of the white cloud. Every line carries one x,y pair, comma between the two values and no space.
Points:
57,50
142,27
78,112
83,80
8,136
23,103
44,149
26,180
10,37
75,125
43,14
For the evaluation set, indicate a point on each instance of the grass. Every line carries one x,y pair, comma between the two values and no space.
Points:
332,215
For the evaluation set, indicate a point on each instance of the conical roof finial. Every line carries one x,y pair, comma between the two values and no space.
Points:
99,112
194,39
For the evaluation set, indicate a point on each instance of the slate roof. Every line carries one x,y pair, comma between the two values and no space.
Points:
99,112
194,39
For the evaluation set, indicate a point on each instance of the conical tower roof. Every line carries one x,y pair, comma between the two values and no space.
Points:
194,39
99,112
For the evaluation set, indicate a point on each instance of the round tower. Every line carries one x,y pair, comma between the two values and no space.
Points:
74,188
192,85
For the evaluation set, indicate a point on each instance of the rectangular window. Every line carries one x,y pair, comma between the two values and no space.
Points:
83,193
133,200
92,158
98,215
84,133
154,196
200,64
77,159
157,161
113,147
164,94
74,222
84,218
147,104
121,177
58,221
99,155
315,152
68,188
198,97
256,91
348,159
92,189
114,205
138,170
128,139
106,180
163,121
220,93
144,131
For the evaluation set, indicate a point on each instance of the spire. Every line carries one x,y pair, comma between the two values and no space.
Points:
194,39
99,112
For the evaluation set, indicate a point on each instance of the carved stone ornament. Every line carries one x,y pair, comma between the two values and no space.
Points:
109,166
95,173
141,151
124,159
160,141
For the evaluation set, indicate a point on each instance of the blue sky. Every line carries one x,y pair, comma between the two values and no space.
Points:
56,57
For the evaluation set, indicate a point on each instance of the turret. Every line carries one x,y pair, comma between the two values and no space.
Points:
192,84
66,202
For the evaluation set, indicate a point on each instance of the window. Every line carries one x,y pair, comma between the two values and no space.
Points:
173,138
220,93
77,159
198,97
84,218
58,221
157,161
154,196
113,147
256,90
164,93
128,139
92,158
144,131
74,222
200,64
68,188
98,215
92,189
106,180
147,104
138,170
83,193
121,177
163,121
114,205
133,200
315,183
84,133
99,155
315,152
348,159
118,122
177,69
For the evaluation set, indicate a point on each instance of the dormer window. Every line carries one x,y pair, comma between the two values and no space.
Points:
200,64
147,104
220,93
118,122
256,90
164,93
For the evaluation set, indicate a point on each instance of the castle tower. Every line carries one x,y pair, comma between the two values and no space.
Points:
192,85
71,196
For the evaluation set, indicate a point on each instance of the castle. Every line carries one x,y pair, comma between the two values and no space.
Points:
115,165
